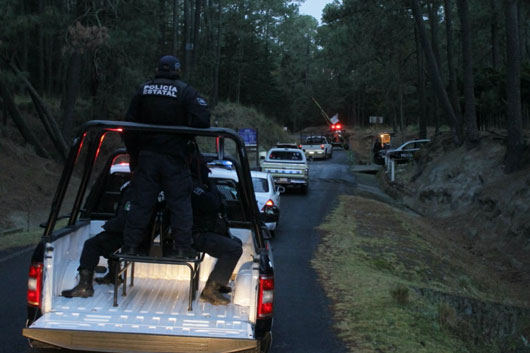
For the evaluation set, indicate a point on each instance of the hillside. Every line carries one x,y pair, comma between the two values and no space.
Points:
466,192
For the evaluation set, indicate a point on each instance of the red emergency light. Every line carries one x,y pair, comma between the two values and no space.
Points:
336,126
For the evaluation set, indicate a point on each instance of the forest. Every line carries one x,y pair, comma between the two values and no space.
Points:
463,65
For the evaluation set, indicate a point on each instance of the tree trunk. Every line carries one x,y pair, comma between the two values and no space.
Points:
240,55
175,36
71,90
516,145
453,90
494,35
433,17
162,48
41,86
422,116
401,114
217,53
49,65
470,116
24,42
25,131
196,26
435,74
188,45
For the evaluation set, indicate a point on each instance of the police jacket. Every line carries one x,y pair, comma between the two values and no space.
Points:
207,208
117,223
165,101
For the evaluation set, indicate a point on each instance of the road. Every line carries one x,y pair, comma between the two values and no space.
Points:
303,322
302,319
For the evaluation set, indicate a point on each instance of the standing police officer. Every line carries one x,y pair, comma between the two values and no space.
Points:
160,161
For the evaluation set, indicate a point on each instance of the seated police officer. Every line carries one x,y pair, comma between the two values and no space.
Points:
211,235
102,244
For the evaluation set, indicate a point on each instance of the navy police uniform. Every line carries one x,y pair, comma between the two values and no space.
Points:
210,231
108,241
160,161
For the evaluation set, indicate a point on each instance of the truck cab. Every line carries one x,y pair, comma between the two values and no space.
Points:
154,315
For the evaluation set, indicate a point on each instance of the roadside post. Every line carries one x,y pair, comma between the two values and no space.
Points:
251,138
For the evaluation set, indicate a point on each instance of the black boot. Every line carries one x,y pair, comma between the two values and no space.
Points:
211,294
109,277
225,289
182,253
84,287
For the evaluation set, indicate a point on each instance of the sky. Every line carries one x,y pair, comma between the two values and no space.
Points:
314,8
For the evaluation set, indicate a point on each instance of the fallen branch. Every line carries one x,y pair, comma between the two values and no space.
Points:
26,132
44,114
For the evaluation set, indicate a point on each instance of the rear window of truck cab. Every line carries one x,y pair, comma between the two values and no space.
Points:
315,140
286,155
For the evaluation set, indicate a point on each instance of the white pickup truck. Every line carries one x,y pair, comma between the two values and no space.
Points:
317,147
156,314
288,167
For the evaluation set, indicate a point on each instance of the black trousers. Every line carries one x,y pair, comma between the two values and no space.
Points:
226,250
156,172
102,244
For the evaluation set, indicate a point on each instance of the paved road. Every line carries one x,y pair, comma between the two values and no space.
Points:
13,277
303,321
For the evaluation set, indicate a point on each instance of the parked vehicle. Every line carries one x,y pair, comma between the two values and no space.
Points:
156,315
317,147
266,191
268,198
405,152
288,167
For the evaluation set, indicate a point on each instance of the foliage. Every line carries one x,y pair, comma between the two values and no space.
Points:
360,61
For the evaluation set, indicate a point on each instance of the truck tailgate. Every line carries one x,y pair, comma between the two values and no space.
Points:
153,310
138,343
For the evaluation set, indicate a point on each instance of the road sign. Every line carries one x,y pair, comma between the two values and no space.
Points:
376,119
334,119
249,136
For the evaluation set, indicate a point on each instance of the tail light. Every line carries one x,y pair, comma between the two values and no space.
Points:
269,203
265,296
322,146
35,284
299,146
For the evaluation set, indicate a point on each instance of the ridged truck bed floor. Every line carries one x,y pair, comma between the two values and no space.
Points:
152,306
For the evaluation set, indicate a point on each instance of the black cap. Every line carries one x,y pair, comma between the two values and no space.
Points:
169,63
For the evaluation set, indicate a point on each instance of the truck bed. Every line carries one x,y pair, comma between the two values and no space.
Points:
156,306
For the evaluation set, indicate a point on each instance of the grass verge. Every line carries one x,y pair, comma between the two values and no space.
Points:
372,260
27,238
18,240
